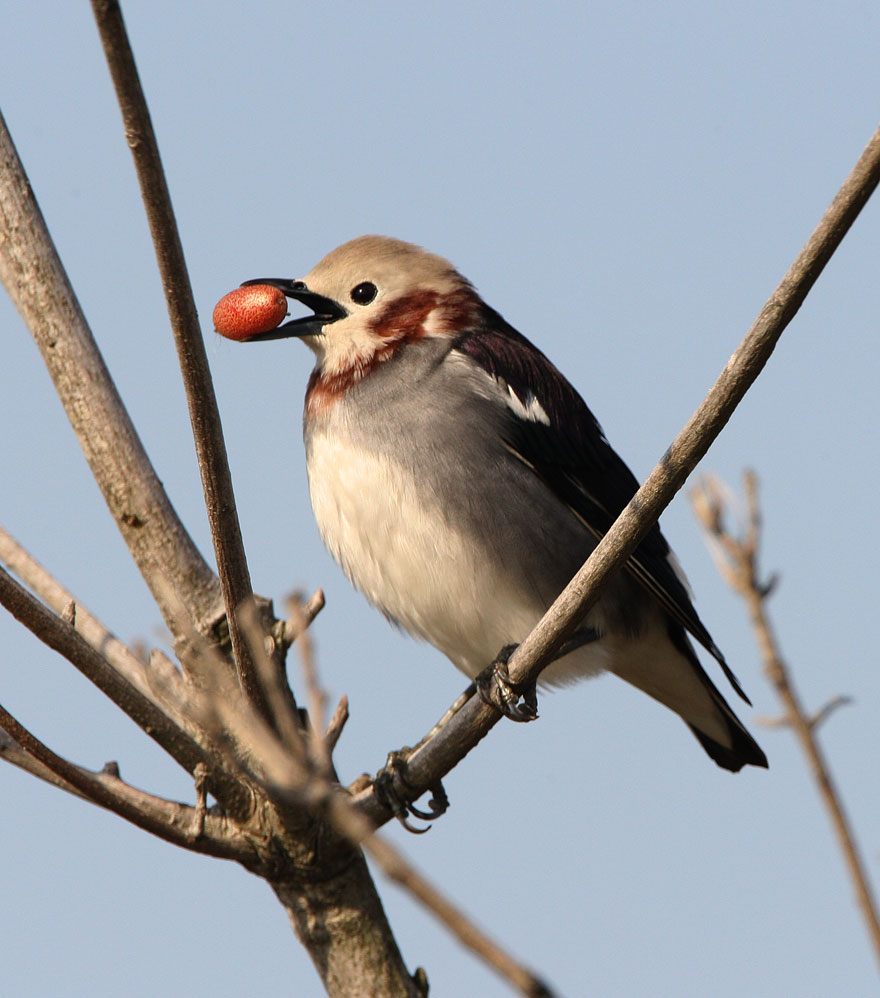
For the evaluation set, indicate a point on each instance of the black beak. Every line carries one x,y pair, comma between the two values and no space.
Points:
326,310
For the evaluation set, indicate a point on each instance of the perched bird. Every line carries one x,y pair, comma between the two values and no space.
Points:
461,481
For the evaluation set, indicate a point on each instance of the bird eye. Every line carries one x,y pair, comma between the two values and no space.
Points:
364,293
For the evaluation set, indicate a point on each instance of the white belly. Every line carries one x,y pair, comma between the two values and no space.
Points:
397,547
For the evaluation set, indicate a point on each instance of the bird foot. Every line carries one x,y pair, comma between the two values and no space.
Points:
519,703
397,804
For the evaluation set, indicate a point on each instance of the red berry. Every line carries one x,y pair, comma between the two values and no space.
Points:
247,311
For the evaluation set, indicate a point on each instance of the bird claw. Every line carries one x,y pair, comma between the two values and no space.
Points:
395,767
439,804
495,688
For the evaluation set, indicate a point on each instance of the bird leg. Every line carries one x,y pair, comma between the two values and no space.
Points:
495,688
398,805
395,766
498,690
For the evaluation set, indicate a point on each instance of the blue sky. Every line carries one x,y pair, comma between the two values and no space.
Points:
626,183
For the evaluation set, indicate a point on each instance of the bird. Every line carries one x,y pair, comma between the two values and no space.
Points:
460,481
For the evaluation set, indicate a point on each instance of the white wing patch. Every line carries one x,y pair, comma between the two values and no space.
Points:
495,387
530,409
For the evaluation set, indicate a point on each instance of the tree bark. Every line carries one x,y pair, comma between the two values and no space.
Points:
341,922
163,550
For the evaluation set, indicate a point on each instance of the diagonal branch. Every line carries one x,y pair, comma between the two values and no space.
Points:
176,823
15,755
432,761
48,589
39,286
701,430
738,560
396,867
62,637
204,414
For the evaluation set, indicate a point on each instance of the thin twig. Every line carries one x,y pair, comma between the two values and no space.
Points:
819,717
337,723
316,698
200,812
827,709
204,414
304,615
167,819
740,567
431,762
398,869
281,707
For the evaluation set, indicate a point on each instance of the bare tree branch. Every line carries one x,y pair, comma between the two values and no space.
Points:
337,723
13,753
435,758
325,892
204,415
396,867
737,557
271,753
63,638
140,707
827,709
51,592
316,698
280,707
38,285
176,823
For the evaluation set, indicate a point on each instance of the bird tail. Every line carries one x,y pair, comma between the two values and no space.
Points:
739,748
672,674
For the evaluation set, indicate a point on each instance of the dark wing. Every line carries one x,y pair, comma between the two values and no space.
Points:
570,454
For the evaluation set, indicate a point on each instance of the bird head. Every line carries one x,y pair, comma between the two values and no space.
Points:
370,298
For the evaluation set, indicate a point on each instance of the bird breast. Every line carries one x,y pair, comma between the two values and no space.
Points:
434,520
400,549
